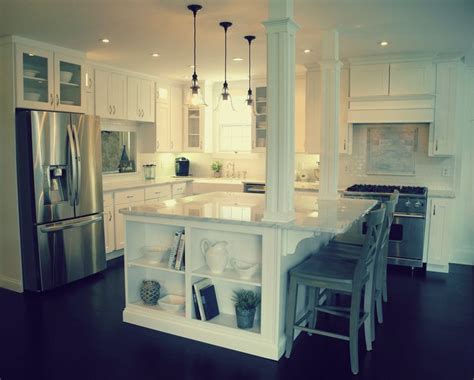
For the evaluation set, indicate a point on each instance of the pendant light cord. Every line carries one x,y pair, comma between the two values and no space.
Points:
225,55
194,12
250,60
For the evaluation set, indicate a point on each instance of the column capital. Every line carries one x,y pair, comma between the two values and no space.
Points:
281,25
330,64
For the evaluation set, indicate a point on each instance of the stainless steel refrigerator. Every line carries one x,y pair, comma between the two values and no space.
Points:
60,197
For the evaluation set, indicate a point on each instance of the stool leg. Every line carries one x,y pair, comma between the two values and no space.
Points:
290,315
354,331
378,304
313,294
369,323
384,277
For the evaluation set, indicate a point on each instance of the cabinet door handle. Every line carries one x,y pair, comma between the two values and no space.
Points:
434,209
110,110
110,216
57,99
436,145
157,144
51,99
130,196
114,109
90,82
345,145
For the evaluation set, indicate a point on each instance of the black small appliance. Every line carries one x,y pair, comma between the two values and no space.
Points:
182,167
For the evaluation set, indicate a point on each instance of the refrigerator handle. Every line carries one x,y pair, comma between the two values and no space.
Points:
78,165
71,224
73,166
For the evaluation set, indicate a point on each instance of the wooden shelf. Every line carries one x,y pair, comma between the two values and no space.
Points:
155,309
144,263
229,275
230,320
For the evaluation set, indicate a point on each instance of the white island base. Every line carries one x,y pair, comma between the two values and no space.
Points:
237,219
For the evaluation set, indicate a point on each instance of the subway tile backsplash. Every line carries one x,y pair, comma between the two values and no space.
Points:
428,170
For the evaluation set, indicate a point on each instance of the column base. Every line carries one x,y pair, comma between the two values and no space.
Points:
328,197
278,217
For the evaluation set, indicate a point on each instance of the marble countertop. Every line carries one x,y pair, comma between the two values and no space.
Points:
137,183
312,214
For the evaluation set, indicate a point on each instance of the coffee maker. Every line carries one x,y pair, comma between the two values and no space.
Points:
182,167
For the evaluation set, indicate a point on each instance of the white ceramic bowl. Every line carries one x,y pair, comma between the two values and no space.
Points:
154,253
34,96
172,303
65,76
244,269
30,73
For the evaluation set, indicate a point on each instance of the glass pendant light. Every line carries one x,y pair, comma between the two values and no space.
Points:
249,100
195,98
225,95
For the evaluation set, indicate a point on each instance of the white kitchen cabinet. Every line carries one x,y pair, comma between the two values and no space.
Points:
163,137
176,119
89,81
259,119
345,130
109,229
49,80
110,95
193,130
162,192
300,117
443,130
412,78
369,80
140,99
313,112
439,242
119,224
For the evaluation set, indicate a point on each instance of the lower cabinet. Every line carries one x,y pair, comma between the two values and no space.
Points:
439,243
119,224
109,228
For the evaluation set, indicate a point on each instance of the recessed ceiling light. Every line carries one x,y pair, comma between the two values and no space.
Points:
31,55
237,59
105,40
306,51
383,43
155,55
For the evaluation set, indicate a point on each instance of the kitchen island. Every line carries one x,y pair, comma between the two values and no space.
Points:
236,218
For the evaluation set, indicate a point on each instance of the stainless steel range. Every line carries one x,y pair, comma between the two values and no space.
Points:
407,235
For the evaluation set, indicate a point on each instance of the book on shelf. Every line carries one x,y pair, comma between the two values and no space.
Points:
209,302
205,300
197,286
174,249
180,253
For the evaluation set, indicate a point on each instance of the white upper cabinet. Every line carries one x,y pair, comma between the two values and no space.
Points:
110,94
176,119
259,119
49,80
369,80
412,78
163,143
442,132
345,130
140,99
193,135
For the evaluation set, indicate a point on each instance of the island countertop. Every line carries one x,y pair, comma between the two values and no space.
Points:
311,214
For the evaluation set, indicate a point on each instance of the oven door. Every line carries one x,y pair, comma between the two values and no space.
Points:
406,240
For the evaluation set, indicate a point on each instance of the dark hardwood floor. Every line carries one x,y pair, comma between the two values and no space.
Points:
77,333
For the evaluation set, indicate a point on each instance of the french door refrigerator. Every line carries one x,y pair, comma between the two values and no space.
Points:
60,197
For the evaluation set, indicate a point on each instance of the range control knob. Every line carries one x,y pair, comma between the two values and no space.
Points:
418,204
408,203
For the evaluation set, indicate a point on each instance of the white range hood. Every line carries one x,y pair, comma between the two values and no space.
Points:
392,110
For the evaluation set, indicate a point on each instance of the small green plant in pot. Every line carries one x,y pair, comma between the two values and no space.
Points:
216,168
246,302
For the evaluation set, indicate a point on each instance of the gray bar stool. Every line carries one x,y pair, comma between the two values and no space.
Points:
342,241
338,274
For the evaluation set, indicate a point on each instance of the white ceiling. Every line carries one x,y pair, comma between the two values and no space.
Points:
137,28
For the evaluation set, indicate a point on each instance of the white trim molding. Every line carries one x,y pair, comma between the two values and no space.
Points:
11,284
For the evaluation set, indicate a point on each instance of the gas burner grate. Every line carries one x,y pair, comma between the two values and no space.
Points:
365,188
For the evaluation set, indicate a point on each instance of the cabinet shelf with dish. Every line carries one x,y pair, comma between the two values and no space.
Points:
143,262
230,275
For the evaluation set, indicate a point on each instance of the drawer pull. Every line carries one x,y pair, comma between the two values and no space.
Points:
130,196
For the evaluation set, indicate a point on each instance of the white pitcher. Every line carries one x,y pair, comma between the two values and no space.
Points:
216,255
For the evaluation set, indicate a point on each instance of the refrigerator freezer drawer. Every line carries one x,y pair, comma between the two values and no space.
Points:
70,250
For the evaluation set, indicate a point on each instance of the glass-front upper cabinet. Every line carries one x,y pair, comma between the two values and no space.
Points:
48,81
193,131
259,138
34,78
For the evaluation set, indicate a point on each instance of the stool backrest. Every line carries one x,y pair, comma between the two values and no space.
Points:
389,211
372,241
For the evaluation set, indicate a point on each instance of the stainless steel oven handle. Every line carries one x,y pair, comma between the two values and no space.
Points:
70,224
406,215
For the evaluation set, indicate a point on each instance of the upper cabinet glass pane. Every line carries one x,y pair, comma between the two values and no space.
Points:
35,78
70,83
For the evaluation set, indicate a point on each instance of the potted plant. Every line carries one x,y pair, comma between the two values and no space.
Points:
246,302
216,168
